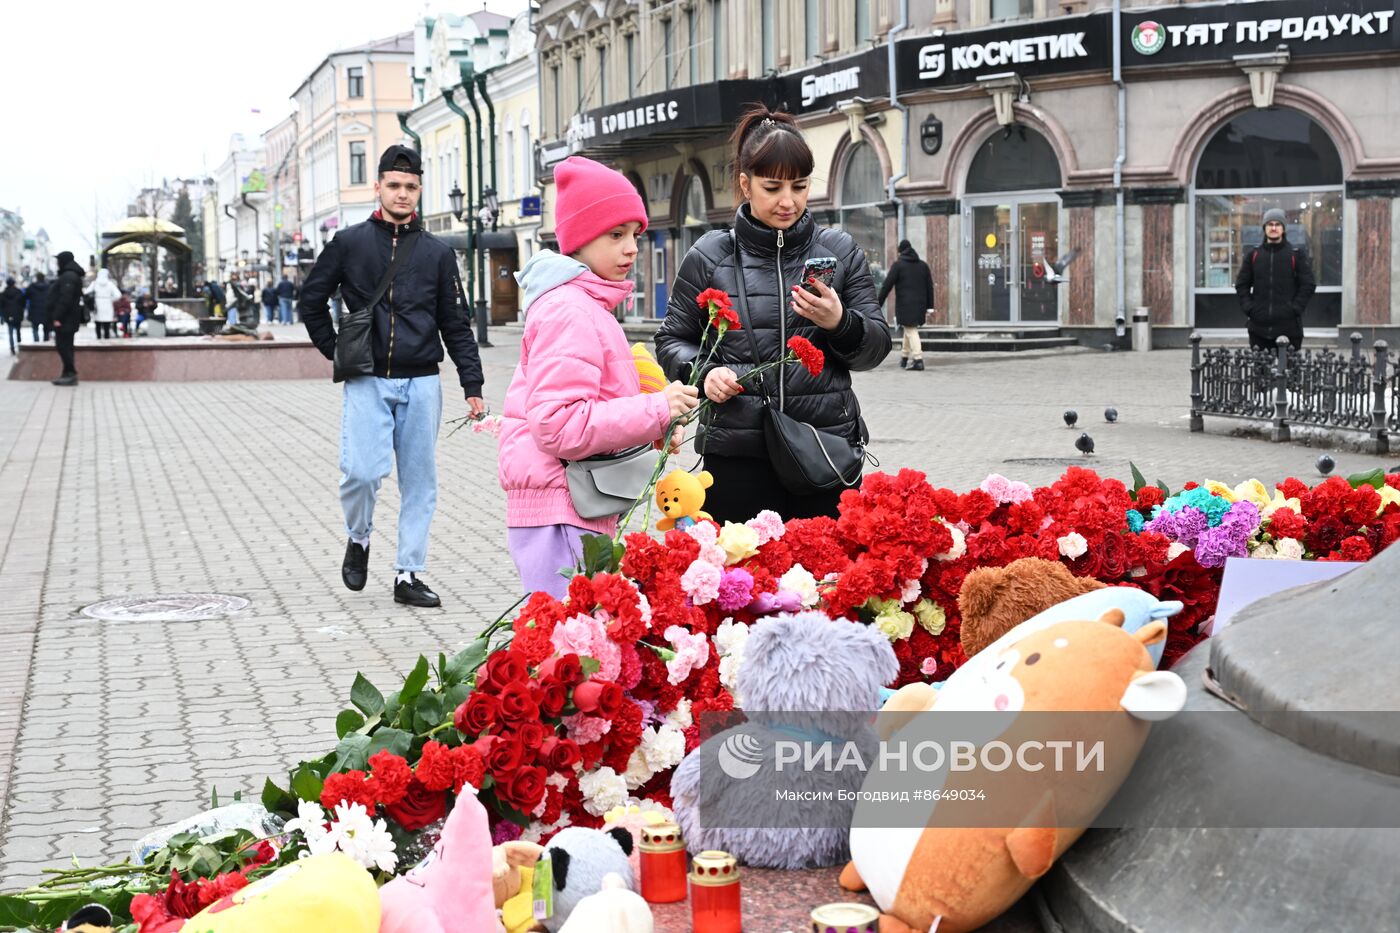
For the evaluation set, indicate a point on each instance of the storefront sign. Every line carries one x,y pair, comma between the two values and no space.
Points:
1055,46
866,75
1219,32
530,206
690,108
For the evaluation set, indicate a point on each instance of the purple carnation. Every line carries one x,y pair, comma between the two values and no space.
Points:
735,590
1243,517
1190,525
1217,544
505,831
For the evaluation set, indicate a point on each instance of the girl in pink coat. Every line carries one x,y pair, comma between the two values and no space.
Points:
576,392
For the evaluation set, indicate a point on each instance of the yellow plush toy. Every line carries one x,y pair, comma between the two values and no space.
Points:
680,495
650,372
322,892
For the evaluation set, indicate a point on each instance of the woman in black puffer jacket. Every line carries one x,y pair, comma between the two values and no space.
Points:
776,235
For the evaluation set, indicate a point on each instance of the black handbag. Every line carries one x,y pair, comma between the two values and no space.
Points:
807,460
354,351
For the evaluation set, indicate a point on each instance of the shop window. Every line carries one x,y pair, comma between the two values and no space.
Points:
1019,161
1265,159
692,222
862,191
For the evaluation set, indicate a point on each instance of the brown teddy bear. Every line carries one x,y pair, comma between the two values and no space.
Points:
994,600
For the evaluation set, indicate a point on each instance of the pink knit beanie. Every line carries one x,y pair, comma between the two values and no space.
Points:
592,199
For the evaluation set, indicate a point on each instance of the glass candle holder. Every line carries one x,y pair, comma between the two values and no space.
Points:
845,918
714,893
662,864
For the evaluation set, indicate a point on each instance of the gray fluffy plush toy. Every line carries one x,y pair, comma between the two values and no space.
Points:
581,857
807,679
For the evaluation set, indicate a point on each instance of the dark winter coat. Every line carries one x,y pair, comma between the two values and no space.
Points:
285,289
37,297
860,342
269,297
1274,285
215,291
12,305
912,282
66,297
420,312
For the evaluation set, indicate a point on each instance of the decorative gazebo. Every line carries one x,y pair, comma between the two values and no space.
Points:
161,234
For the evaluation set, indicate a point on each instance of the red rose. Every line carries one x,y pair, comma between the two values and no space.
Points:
500,671
558,754
470,768
419,807
599,698
552,697
517,705
565,668
532,735
476,714
501,754
808,355
525,788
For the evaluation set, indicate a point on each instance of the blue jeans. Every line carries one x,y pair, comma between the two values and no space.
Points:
285,306
271,312
386,422
231,314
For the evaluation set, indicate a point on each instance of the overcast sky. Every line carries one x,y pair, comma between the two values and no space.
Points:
101,99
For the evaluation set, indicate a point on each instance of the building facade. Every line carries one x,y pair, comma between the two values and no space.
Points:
1011,163
346,115
11,244
239,193
281,212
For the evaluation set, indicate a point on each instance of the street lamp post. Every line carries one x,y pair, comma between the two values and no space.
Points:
463,212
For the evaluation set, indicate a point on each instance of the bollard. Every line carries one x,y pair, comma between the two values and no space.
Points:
1198,422
1142,330
1280,431
1379,441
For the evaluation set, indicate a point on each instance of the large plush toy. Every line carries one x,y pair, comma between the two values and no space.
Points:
614,909
945,868
994,600
802,678
580,859
322,892
512,871
680,495
451,889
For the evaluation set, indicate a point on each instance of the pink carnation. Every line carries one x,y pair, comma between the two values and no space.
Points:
735,590
701,582
490,424
692,651
585,729
1004,490
928,667
587,636
768,525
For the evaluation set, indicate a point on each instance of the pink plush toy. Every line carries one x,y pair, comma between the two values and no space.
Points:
451,889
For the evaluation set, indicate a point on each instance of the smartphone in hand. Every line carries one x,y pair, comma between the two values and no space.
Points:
821,268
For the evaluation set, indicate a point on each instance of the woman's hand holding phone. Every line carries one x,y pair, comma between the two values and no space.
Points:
823,309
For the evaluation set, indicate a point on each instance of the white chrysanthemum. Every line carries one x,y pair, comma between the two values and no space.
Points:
365,840
800,581
602,790
311,823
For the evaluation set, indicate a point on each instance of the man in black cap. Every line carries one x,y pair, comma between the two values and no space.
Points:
1274,285
403,301
66,314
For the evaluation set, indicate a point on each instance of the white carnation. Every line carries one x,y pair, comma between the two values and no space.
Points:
664,748
602,790
1073,545
959,547
680,717
1289,549
800,581
1176,550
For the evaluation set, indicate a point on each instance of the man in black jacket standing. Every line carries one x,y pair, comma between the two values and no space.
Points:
1274,285
392,411
36,296
66,314
913,299
12,313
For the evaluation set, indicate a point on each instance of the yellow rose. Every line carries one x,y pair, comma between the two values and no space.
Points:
738,542
1280,502
1389,496
896,625
930,616
1221,490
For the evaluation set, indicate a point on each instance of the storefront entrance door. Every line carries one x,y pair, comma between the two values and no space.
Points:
1013,242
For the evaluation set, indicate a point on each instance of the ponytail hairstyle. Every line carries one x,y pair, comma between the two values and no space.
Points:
769,143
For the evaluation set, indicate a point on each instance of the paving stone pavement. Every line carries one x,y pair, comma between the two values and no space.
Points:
108,730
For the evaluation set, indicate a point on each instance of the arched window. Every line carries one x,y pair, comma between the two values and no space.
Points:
1020,160
861,193
1262,159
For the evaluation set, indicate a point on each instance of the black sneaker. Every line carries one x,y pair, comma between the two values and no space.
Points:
904,362
917,366
355,568
415,593
69,380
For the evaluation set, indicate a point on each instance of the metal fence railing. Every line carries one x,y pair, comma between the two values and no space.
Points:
1320,388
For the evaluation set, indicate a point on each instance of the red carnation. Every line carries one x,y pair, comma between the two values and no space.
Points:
470,768
436,768
525,788
1356,549
552,697
566,669
716,304
517,705
501,754
809,356
558,754
476,714
347,787
419,807
599,698
1149,496
389,778
500,671
1286,523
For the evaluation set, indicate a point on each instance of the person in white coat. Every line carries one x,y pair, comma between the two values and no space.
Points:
104,293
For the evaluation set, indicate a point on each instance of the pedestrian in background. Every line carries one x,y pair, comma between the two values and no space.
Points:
122,308
286,294
145,307
104,297
1274,286
912,283
269,302
36,298
241,302
66,314
12,312
216,299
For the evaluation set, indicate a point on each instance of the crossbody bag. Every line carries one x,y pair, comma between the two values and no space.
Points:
354,350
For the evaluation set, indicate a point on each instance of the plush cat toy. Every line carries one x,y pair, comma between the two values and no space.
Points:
452,888
948,870
680,496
